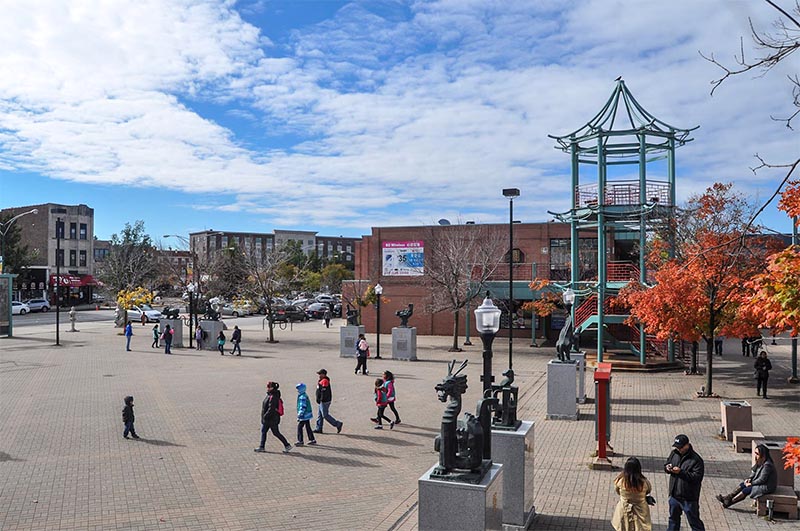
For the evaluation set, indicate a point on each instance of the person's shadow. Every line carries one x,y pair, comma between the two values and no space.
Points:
158,442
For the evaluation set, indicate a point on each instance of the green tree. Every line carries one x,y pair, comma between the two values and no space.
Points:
16,256
131,262
332,275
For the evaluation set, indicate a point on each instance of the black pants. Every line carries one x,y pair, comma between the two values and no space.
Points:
761,383
129,428
362,364
381,416
307,425
394,410
718,348
236,347
275,431
155,343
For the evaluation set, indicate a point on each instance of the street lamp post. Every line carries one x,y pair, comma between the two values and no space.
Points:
59,228
510,193
190,287
4,228
487,322
793,377
378,292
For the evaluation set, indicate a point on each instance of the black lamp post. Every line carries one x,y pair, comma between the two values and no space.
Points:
378,292
510,193
59,228
190,287
487,322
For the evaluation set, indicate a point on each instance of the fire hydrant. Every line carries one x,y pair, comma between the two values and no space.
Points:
72,319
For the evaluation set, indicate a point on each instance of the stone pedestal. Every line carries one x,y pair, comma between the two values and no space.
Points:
580,358
785,475
562,390
737,415
514,450
451,505
348,336
212,329
177,326
404,343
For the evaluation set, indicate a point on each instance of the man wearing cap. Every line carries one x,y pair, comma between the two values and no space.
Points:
685,469
324,397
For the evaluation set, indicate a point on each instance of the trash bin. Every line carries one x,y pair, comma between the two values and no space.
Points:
737,415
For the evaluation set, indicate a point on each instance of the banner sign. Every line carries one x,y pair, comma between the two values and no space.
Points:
403,259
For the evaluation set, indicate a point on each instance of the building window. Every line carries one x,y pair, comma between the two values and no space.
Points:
83,231
349,248
311,243
73,257
60,230
73,231
60,257
517,256
100,254
224,241
82,259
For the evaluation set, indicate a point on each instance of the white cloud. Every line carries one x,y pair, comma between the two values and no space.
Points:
410,110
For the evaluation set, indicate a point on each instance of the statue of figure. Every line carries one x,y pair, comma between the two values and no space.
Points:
352,316
564,343
170,313
464,446
211,313
405,315
505,416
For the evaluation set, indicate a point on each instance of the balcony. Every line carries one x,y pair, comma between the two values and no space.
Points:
623,193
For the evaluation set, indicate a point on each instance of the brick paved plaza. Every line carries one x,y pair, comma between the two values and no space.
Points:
65,465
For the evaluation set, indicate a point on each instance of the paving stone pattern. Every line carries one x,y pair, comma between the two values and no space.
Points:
65,465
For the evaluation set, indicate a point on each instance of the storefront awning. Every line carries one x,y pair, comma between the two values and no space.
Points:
73,281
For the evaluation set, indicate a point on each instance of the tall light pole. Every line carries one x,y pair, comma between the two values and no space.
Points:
510,193
4,228
59,229
194,283
793,377
487,322
378,292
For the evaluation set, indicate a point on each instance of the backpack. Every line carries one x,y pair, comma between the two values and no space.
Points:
280,407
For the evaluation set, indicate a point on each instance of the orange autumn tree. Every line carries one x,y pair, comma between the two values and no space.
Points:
547,303
698,292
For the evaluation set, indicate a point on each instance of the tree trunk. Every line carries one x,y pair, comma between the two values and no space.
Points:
710,353
455,348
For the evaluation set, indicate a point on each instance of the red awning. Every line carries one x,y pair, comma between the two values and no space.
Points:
73,281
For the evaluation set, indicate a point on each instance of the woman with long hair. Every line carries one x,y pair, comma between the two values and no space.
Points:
763,480
632,513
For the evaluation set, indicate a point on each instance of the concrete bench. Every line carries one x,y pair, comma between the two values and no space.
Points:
785,501
743,440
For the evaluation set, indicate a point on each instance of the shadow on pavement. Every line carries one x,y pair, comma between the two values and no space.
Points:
353,451
646,401
548,521
158,442
421,428
379,439
338,461
4,457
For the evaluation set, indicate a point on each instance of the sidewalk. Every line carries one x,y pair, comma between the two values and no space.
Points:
64,464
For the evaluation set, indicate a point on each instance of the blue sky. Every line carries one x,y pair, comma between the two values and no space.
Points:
339,116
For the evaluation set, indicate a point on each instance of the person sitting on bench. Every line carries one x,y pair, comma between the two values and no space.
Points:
763,480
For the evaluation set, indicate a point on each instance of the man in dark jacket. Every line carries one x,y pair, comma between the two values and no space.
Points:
324,398
685,468
236,339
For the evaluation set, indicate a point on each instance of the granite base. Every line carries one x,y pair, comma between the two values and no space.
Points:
449,505
514,450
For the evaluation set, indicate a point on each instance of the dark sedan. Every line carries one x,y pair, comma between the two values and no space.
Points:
317,310
287,314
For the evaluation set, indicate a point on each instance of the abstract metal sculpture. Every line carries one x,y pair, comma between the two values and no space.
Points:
352,317
505,416
170,313
405,315
464,446
564,343
211,313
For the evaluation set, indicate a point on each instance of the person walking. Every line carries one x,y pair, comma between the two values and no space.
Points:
327,317
632,512
762,367
128,335
746,346
718,342
198,337
763,480
686,469
362,352
128,418
167,335
304,415
388,384
155,337
144,319
221,343
324,396
271,412
381,402
236,338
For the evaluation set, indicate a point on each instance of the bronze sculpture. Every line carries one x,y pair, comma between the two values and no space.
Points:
464,446
211,313
564,343
352,316
505,416
405,315
170,313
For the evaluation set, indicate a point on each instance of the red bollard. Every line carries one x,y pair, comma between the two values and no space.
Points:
602,380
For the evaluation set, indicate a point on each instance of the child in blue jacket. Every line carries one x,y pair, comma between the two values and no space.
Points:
305,412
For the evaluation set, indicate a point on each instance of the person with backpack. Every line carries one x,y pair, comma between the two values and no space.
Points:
324,398
388,384
305,413
362,352
381,401
155,337
167,337
271,413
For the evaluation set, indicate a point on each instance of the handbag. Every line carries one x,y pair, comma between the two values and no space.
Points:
755,374
650,500
368,354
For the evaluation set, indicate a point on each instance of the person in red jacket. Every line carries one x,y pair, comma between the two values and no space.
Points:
381,400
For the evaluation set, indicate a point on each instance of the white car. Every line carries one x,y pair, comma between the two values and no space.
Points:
38,305
326,299
135,313
19,308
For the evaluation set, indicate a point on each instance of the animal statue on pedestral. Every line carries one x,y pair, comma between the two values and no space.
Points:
352,316
464,445
505,416
211,312
170,313
564,343
405,315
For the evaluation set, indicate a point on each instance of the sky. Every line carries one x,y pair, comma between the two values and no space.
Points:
337,116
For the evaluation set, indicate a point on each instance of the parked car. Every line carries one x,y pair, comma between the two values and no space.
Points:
325,299
316,310
19,308
302,303
289,313
151,315
37,305
337,309
236,309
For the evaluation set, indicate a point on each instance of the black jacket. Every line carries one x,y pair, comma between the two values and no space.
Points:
324,391
269,408
127,413
685,485
237,336
763,366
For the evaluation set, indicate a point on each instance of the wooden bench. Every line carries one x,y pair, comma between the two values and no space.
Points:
743,440
785,501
